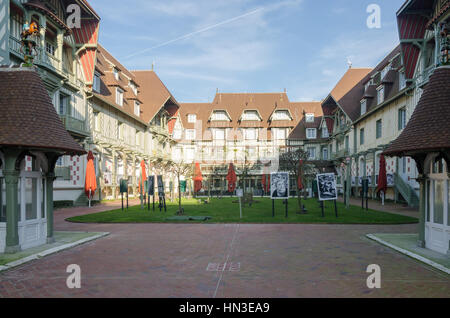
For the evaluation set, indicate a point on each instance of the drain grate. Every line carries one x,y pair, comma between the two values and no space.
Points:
221,267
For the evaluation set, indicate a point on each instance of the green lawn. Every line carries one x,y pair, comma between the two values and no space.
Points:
225,211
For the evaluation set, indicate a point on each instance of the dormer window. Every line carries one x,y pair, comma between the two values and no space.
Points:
251,115
363,106
310,118
119,96
385,71
402,80
192,118
137,109
325,133
116,73
380,94
281,115
220,115
96,84
133,87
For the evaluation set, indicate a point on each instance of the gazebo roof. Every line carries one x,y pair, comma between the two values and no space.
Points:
29,119
429,128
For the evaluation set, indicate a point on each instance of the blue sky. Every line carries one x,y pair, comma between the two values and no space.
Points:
246,45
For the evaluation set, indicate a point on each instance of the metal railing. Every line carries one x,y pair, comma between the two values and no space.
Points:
408,193
74,125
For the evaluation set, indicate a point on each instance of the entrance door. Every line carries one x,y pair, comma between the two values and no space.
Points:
437,226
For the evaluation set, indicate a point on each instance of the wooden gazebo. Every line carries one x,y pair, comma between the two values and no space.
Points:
32,138
426,139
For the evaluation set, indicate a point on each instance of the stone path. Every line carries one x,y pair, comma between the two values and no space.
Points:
187,260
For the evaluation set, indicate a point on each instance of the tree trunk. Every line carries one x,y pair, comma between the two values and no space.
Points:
179,193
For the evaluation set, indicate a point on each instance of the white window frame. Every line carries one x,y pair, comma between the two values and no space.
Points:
363,106
325,150
402,80
223,115
190,134
380,94
311,153
219,134
311,133
119,96
251,115
277,115
192,118
250,134
309,118
96,84
137,108
325,132
116,73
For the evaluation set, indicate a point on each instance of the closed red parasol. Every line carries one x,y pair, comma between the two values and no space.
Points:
300,172
90,182
382,178
143,178
197,178
231,177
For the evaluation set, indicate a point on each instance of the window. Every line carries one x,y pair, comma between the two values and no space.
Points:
311,133
220,115
137,109
96,121
192,118
402,80
281,115
63,104
96,85
250,134
280,134
401,118
120,131
361,136
379,128
138,138
251,115
347,143
190,154
311,153
116,74
119,96
363,107
50,48
133,87
177,134
380,95
219,134
385,71
309,118
325,154
190,134
325,133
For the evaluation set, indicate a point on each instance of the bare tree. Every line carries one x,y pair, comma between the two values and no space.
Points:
179,168
290,161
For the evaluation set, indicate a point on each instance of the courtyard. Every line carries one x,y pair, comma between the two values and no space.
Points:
224,260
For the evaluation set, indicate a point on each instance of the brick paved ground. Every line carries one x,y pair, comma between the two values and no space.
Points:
171,260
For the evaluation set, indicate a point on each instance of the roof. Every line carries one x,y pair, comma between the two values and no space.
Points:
154,94
351,101
29,118
299,132
108,85
428,128
348,81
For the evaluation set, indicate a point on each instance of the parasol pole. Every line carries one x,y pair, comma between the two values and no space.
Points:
90,197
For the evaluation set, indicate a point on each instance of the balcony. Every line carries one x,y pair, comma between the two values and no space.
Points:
44,59
423,77
340,154
74,125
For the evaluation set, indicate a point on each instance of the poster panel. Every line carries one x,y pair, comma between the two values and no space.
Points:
279,185
326,184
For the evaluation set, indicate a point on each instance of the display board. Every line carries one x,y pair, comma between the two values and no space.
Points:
279,185
326,186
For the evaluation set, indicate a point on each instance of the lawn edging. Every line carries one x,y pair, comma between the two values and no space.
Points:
410,254
51,251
